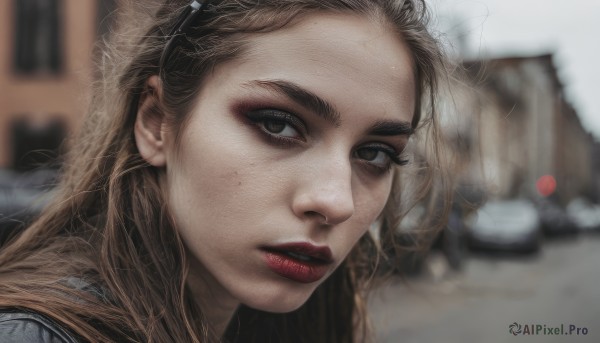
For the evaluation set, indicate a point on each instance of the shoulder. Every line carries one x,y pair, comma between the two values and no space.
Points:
18,326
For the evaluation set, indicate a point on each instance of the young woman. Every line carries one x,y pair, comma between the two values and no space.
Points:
233,159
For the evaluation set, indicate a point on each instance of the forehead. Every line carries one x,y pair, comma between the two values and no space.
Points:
356,63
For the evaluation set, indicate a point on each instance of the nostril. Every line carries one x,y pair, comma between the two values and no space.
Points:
316,215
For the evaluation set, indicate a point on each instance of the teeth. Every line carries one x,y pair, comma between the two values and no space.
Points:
299,256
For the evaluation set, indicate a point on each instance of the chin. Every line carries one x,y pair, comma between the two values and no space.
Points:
281,301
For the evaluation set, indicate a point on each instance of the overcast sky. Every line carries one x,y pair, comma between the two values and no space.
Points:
569,29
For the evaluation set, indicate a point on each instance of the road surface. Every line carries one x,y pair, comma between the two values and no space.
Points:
559,286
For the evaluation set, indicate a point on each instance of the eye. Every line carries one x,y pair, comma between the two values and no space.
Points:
379,156
281,126
373,155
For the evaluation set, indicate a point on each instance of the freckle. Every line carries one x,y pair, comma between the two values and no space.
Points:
240,183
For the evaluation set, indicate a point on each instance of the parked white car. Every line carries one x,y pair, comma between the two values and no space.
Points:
506,225
585,214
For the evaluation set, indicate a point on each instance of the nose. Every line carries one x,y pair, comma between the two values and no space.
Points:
325,194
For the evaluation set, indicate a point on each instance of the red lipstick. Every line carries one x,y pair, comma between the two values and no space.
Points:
300,262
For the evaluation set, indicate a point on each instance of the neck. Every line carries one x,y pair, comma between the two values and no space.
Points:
216,303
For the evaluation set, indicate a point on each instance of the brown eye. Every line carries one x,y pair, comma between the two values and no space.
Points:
278,124
367,154
274,126
374,157
380,156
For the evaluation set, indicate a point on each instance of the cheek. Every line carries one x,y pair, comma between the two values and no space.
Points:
370,200
208,192
198,179
208,162
372,197
219,186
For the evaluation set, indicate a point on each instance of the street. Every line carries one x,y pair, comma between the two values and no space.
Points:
560,285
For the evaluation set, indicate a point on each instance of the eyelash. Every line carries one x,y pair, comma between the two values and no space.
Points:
260,117
392,154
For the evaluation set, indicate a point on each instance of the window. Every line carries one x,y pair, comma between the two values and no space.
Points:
36,145
38,45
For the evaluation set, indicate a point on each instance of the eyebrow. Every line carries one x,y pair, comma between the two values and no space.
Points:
302,97
391,128
327,111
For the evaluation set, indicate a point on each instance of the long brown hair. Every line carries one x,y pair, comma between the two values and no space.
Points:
105,260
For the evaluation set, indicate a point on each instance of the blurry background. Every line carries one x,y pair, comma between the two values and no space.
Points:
521,116
45,72
521,246
45,65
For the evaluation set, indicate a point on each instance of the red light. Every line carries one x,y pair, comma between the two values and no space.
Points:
546,185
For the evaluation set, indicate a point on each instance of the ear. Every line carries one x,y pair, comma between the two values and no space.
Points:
149,124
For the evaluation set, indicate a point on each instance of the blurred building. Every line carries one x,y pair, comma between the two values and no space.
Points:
45,70
524,129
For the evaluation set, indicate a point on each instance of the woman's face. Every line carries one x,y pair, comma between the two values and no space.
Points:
286,158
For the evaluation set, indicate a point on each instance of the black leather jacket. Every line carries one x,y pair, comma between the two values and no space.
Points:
19,326
22,325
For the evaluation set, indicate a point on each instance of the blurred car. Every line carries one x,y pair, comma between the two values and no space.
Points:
22,198
555,221
505,225
585,215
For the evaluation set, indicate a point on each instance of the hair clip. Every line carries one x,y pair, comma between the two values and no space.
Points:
184,21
